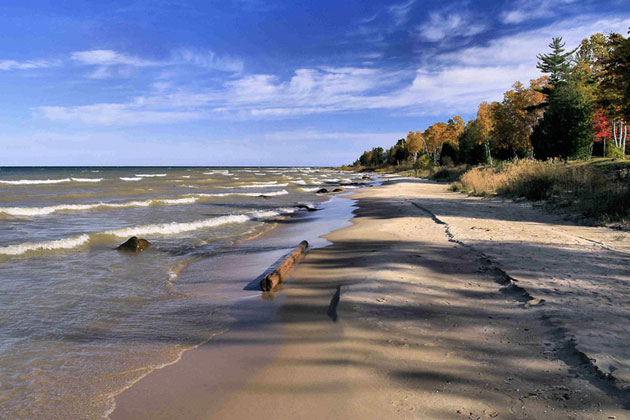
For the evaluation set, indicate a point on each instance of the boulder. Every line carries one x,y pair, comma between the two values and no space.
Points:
134,244
322,191
305,207
338,190
266,197
367,178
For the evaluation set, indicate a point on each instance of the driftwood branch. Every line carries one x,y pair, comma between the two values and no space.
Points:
283,269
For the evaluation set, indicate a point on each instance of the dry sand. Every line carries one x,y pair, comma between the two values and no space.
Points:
395,320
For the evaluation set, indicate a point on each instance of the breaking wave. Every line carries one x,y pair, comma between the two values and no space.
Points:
155,229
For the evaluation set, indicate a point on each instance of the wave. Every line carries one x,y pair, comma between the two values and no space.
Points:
309,189
263,185
188,199
87,179
181,227
67,243
44,211
150,175
130,178
226,173
156,229
256,194
35,181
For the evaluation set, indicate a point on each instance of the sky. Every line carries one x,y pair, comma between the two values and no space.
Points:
261,82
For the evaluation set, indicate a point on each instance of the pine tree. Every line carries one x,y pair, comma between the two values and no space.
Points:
566,129
557,63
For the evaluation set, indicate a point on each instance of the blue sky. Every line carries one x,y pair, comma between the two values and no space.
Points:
252,82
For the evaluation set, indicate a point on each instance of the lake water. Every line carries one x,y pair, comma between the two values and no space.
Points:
80,321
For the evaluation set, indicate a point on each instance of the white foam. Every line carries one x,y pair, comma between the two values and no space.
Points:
256,194
43,211
149,175
175,227
35,181
67,243
309,189
263,185
87,179
130,178
224,172
299,182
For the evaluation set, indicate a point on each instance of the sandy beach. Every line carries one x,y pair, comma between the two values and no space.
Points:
431,305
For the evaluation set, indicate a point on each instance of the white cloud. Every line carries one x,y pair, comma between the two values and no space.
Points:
26,65
450,83
448,24
109,58
110,63
523,10
114,114
399,12
208,59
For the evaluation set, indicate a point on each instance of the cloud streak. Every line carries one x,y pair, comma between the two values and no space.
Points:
453,82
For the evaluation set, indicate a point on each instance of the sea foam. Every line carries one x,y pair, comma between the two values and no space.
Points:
67,243
180,227
87,179
44,211
35,181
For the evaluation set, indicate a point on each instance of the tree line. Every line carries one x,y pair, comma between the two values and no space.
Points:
578,109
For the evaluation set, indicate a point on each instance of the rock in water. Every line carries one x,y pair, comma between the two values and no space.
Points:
305,207
322,191
338,190
134,244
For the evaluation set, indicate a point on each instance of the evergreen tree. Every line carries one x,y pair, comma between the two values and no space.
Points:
557,63
378,157
566,129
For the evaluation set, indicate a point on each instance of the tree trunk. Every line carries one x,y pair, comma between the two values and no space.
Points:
625,136
488,151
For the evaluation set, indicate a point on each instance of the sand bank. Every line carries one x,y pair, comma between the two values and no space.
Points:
395,320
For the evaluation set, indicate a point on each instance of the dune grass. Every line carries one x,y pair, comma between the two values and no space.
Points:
598,189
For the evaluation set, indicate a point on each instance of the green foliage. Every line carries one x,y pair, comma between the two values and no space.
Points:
566,129
557,63
378,157
423,162
613,151
398,153
614,90
449,174
472,148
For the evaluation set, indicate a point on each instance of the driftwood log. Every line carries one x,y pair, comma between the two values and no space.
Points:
283,269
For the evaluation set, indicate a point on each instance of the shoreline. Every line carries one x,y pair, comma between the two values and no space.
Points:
260,249
393,319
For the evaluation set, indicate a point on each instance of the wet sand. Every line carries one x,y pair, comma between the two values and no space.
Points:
396,319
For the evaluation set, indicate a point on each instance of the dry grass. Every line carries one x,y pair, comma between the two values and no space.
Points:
585,188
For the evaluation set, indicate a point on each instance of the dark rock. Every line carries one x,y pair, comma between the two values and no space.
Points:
305,207
266,197
134,244
367,178
338,190
322,191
